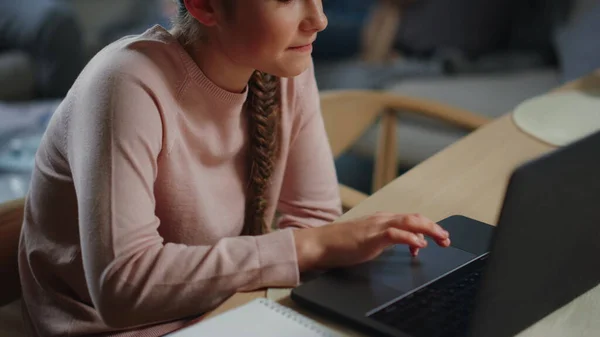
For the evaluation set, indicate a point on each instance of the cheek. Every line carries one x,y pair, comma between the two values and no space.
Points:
263,40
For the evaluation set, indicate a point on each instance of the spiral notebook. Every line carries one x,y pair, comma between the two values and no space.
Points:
259,318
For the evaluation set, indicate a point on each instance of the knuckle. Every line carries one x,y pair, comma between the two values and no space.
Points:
378,221
376,216
382,214
408,236
412,238
380,217
411,220
431,226
388,235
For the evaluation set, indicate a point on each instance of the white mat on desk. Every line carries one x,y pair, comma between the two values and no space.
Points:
560,118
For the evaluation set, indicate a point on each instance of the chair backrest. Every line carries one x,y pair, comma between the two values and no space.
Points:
349,113
11,221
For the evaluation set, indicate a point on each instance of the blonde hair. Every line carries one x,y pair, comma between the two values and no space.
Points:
264,103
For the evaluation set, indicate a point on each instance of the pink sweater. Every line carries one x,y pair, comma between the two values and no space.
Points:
136,205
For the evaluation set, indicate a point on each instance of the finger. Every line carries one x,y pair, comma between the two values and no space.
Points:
414,251
397,236
419,224
444,243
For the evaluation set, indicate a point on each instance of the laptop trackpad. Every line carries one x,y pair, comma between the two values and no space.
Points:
397,269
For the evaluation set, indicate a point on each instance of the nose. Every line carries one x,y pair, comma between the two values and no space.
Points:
315,19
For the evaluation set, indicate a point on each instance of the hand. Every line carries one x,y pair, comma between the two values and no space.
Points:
357,241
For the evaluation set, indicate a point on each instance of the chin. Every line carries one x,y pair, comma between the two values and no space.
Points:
291,68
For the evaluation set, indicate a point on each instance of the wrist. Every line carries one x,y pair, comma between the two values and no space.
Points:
309,249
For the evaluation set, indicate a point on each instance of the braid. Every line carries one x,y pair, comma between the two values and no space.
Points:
263,127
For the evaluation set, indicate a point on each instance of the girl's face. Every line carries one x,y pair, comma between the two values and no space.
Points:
273,36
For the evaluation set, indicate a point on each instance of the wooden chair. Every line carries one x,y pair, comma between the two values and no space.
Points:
349,113
11,219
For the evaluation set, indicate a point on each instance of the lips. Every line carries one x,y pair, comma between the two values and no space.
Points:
302,49
303,45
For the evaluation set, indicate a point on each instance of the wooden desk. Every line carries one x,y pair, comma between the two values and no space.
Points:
469,178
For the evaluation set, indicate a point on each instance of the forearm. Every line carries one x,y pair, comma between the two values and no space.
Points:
161,283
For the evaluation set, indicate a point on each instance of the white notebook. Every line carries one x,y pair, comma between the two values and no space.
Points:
259,318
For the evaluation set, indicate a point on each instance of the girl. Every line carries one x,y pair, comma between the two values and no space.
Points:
161,170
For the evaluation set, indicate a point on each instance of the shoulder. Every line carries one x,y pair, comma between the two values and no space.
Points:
128,87
133,77
152,59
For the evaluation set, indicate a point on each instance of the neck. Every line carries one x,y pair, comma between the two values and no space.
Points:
217,66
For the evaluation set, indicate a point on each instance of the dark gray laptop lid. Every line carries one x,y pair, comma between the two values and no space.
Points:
546,250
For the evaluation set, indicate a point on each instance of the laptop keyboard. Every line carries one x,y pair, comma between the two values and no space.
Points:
440,309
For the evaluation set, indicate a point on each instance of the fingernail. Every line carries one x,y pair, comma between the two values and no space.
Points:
423,242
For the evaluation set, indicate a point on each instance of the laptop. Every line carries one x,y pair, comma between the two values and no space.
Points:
492,281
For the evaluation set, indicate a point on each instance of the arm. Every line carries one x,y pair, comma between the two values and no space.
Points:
133,277
310,199
310,193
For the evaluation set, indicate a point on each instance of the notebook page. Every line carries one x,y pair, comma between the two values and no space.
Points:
258,318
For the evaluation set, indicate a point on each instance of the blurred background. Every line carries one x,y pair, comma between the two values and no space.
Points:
485,56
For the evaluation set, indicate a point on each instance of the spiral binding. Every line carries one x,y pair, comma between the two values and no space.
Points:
298,318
